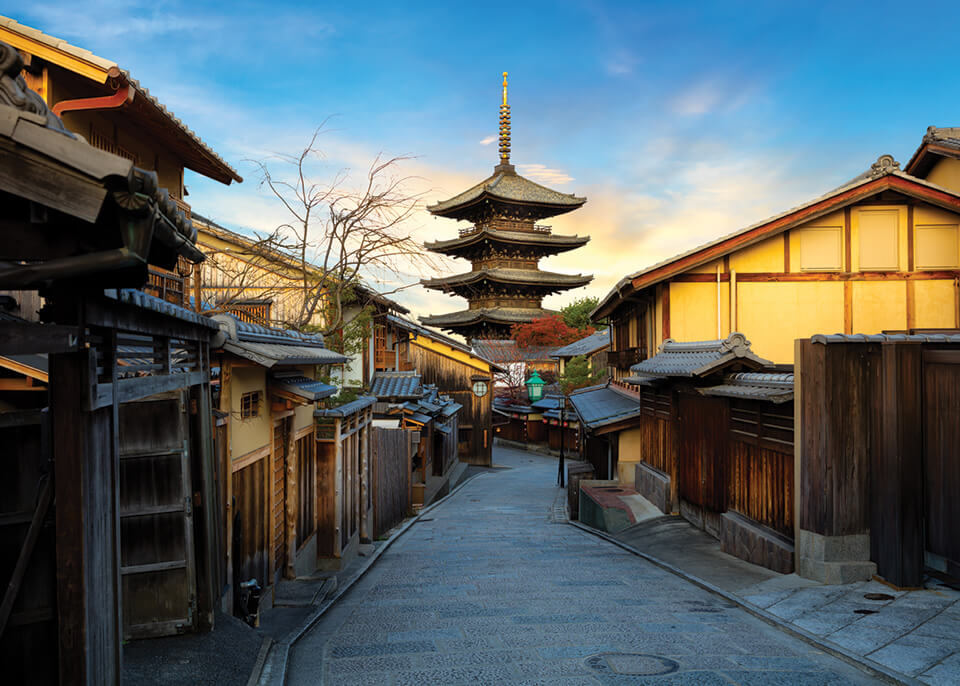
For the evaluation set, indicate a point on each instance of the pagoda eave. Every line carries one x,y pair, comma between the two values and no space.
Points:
501,315
532,278
504,206
544,243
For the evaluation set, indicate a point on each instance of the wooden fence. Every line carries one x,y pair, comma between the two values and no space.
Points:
392,451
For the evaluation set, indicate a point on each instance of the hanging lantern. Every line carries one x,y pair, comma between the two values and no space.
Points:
535,387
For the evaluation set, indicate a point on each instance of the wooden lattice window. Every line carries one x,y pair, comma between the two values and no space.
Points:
250,405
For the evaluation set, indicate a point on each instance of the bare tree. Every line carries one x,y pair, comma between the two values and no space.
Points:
338,234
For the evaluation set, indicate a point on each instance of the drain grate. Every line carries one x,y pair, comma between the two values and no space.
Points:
633,664
878,596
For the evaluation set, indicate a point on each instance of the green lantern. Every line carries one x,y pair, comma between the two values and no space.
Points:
535,387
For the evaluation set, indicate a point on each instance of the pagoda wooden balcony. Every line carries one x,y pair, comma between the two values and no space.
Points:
505,226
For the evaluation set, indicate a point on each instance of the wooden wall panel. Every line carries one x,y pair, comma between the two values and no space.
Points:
391,478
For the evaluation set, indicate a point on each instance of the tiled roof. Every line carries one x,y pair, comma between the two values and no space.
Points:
599,406
551,401
305,387
884,168
556,243
506,406
254,333
886,338
777,388
698,358
146,301
347,409
511,276
87,56
585,346
506,184
398,385
273,347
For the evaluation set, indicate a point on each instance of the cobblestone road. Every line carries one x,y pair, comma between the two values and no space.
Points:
489,588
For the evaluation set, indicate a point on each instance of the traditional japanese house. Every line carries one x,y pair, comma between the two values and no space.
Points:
504,244
99,100
593,348
268,390
880,253
344,478
603,412
111,497
561,424
458,372
404,402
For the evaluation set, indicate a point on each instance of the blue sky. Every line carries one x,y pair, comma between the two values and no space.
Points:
680,121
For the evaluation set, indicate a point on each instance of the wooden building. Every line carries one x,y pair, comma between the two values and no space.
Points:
344,499
880,253
99,100
504,245
593,348
267,391
109,518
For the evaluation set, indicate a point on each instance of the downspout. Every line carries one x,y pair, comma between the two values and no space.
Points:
120,97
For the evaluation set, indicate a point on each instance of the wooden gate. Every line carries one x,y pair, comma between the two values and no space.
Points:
703,457
941,459
391,456
156,523
250,554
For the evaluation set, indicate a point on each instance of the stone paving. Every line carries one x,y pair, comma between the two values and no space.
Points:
491,587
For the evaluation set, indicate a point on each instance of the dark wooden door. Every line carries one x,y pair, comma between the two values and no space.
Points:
156,519
704,449
941,459
250,547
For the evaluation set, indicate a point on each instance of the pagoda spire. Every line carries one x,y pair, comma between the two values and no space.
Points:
504,126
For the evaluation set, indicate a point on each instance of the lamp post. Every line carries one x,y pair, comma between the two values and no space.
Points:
563,430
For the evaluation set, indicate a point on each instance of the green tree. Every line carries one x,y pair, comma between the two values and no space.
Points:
579,373
577,313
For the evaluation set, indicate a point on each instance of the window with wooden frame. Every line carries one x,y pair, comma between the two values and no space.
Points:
250,405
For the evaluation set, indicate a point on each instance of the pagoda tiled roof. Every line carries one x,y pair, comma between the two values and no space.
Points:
506,184
513,276
504,315
551,243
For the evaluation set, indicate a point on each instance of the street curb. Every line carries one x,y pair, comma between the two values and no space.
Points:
283,646
859,661
261,659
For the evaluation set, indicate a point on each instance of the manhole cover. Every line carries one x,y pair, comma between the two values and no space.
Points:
636,664
878,596
866,612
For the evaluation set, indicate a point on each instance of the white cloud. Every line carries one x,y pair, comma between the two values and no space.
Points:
545,174
488,140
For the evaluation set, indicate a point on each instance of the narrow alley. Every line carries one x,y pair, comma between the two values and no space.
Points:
494,587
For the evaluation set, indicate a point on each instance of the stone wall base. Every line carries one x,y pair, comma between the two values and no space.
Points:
834,559
753,542
653,485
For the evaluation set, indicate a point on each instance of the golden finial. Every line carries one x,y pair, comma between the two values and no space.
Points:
504,125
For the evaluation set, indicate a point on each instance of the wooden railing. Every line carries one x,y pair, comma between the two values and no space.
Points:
166,285
622,359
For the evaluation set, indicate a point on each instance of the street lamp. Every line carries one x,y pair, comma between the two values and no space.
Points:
535,387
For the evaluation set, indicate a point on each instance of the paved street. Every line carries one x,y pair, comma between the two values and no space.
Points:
491,587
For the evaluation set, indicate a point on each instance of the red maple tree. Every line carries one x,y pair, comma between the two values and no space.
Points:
550,331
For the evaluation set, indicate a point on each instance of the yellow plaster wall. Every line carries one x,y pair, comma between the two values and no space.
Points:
628,455
935,305
936,238
857,216
303,414
773,314
833,220
248,434
765,256
693,311
946,173
879,306
708,268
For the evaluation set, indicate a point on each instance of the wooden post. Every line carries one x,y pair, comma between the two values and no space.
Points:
225,402
338,517
208,537
896,483
88,566
291,500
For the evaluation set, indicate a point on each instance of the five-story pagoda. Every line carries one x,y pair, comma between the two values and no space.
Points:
505,244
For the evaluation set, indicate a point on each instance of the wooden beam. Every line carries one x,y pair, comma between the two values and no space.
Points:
25,338
26,551
665,309
19,385
910,245
847,241
774,277
128,390
786,252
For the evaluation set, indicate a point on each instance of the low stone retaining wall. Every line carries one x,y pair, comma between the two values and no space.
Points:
653,485
750,541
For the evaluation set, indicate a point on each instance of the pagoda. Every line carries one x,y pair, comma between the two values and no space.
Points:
504,243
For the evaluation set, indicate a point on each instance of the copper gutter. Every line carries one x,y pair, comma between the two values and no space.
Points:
120,97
